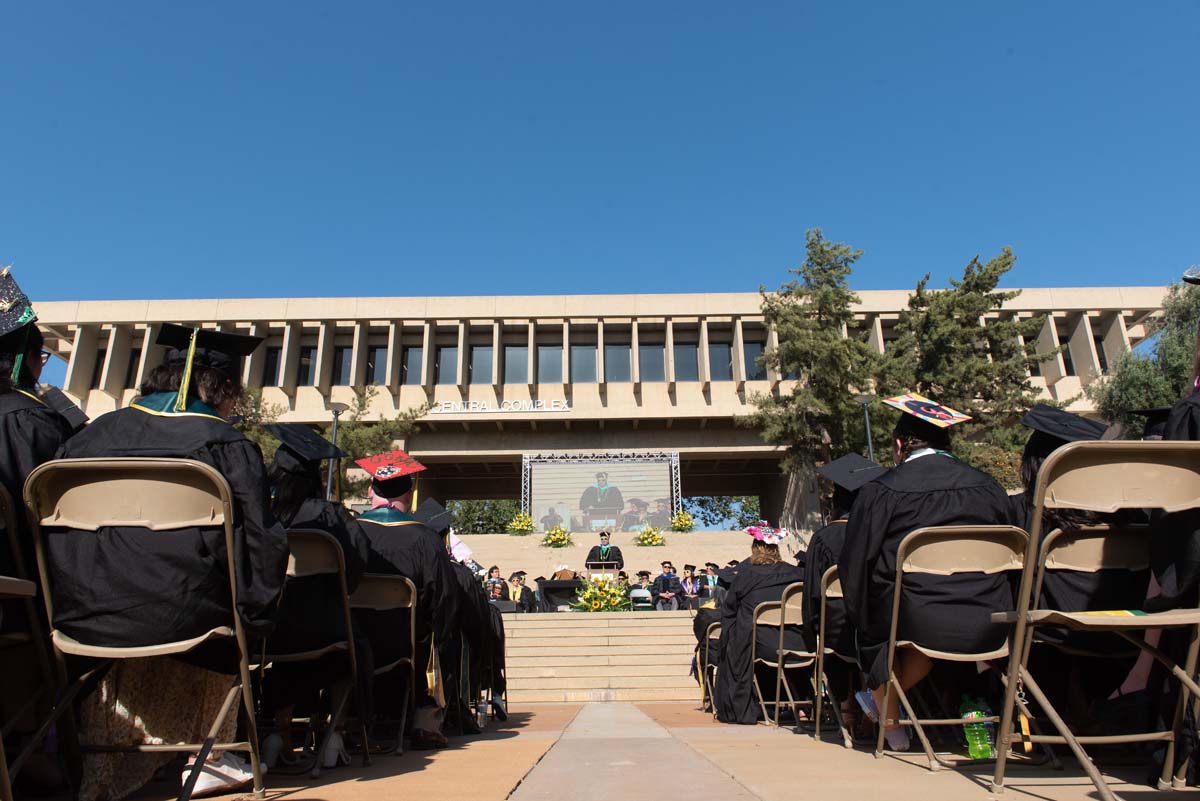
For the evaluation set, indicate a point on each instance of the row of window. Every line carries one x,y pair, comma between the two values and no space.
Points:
514,364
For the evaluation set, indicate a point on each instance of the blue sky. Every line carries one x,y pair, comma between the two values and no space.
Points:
157,149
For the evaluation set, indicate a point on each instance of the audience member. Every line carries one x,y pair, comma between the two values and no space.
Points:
667,590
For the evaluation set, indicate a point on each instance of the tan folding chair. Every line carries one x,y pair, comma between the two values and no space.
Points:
381,592
317,553
86,495
774,614
946,551
708,675
831,590
1103,477
10,588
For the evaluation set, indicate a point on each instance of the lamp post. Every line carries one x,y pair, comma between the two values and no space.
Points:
865,401
337,409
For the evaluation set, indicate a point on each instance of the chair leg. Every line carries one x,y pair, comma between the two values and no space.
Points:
1179,780
818,690
251,728
762,701
6,791
882,725
206,746
913,719
341,695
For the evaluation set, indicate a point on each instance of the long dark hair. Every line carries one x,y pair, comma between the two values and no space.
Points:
915,434
291,490
28,340
212,386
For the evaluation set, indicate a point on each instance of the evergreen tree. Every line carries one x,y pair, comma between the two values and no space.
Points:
483,517
734,511
360,437
954,348
253,413
812,314
1161,376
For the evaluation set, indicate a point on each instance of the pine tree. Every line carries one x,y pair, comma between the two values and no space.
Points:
360,437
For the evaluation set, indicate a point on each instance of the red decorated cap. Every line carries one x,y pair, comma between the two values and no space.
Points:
389,465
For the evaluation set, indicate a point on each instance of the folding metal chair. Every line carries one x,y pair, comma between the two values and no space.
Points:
831,590
947,551
641,600
317,553
86,495
1104,477
773,614
708,673
381,592
10,588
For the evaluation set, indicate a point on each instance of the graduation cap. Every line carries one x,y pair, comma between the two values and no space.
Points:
192,347
732,563
666,563
851,471
1192,274
713,565
1156,419
434,516
645,573
520,574
16,312
926,410
59,402
301,448
1062,424
391,472
690,567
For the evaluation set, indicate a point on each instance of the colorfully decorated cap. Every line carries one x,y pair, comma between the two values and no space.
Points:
929,411
1062,424
391,472
765,534
16,311
851,471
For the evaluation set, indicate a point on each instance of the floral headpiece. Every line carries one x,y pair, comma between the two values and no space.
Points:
765,534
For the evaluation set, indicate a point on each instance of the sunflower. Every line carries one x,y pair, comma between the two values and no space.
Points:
615,601
595,604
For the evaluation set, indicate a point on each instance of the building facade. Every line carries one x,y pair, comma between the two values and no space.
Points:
511,376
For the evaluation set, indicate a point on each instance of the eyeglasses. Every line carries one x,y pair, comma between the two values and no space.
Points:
46,355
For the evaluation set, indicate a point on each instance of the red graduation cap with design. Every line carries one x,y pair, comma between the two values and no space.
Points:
931,412
389,465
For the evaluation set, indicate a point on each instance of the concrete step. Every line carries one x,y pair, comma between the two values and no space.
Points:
552,644
605,620
511,617
599,682
567,696
666,651
604,658
598,631
592,669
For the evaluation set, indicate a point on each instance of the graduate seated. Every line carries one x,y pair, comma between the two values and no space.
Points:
402,545
134,586
763,578
928,487
522,595
667,591
495,586
311,614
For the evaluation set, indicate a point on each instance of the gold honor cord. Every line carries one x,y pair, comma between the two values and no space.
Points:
185,382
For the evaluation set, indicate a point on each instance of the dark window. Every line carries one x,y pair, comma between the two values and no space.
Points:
652,362
720,361
447,365
687,361
377,356
1100,354
481,364
516,364
271,361
135,358
98,368
616,363
342,362
549,364
752,352
412,366
583,364
1068,364
306,372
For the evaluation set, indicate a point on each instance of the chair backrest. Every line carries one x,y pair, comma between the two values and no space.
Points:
1105,476
791,604
314,553
946,550
382,592
159,494
1092,548
831,585
8,519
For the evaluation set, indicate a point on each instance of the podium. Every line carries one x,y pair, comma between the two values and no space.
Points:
606,570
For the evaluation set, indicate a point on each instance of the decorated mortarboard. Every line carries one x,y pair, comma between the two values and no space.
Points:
851,471
300,447
434,516
391,472
220,350
927,410
1192,274
1156,420
1062,424
16,312
765,534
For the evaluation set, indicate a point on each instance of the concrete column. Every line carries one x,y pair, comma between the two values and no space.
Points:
1053,369
566,354
739,355
669,346
253,368
773,374
705,371
792,501
635,371
462,355
1113,338
497,379
427,356
875,338
78,380
359,351
531,355
394,354
290,353
600,353
116,362
326,341
1083,351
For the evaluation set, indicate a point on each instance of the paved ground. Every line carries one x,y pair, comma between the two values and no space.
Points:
617,751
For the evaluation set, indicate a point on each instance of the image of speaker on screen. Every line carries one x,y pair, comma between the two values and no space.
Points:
601,503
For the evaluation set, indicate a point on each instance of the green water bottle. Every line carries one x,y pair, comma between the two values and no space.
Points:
978,744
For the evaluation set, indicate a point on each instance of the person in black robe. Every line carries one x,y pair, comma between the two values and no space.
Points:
602,500
402,545
689,585
667,592
130,586
928,487
763,579
847,474
526,602
603,556
708,582
495,586
1175,546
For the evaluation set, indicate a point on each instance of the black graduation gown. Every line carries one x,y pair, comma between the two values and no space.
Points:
126,586
602,500
823,552
527,601
755,584
944,612
1175,545
30,433
310,615
670,584
614,555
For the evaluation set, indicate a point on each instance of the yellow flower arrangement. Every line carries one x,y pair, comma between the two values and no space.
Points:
682,521
557,537
602,595
650,537
595,604
521,525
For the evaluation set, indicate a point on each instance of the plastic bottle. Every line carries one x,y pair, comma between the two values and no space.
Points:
978,745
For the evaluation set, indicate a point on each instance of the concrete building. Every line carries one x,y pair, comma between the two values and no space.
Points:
511,376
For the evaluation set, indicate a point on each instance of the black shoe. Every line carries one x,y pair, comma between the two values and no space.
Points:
498,708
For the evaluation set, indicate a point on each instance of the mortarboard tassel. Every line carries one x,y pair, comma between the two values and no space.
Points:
185,382
20,360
